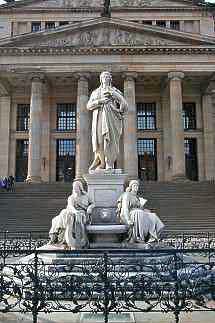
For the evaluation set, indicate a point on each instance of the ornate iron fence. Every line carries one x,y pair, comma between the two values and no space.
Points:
168,280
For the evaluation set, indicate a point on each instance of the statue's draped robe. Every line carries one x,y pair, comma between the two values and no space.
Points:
73,225
145,224
107,123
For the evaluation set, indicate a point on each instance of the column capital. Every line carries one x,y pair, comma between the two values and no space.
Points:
175,76
82,76
130,76
37,77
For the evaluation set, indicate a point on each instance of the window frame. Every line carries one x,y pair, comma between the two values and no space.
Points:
189,118
148,117
66,122
22,117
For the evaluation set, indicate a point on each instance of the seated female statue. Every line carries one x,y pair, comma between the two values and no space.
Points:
69,227
144,226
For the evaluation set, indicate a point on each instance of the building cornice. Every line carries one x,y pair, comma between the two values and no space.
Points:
59,51
98,9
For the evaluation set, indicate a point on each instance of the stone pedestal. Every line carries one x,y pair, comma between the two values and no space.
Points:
105,189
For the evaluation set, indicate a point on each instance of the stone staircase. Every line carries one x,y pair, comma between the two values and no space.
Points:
182,206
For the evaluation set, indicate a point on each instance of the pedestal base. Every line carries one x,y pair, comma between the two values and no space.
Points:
33,179
104,188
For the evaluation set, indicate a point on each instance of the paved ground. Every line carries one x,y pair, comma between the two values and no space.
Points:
197,317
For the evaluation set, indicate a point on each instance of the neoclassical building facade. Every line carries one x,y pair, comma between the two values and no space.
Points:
161,54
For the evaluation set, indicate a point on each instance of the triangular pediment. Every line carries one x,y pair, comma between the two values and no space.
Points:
28,4
103,32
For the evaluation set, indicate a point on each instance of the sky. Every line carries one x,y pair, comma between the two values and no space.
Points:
212,1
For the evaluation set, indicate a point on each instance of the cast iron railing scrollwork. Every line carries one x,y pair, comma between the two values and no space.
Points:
164,279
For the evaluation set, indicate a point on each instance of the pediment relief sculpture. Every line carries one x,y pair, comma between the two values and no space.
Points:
99,3
106,37
145,3
66,4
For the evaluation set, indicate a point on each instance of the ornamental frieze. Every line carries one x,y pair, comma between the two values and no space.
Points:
106,37
67,4
131,3
100,3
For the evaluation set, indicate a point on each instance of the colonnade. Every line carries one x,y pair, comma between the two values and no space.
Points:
173,113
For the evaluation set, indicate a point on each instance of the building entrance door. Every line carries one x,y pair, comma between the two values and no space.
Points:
147,159
65,163
191,160
21,160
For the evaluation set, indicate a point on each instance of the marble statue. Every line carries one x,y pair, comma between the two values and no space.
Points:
108,106
144,226
69,227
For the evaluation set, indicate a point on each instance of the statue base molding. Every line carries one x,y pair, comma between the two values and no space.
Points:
104,188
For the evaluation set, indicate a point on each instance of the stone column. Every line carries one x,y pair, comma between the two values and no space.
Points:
5,107
130,128
46,135
83,131
166,138
35,132
208,136
176,125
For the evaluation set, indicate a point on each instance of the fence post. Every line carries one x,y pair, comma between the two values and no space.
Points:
35,299
176,291
106,301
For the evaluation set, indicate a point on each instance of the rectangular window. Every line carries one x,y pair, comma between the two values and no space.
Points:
21,160
147,159
65,162
66,116
146,146
35,26
49,25
23,116
161,23
174,24
65,147
146,116
189,115
21,149
191,158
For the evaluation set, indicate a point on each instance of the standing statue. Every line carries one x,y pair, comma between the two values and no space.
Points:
108,106
144,226
69,227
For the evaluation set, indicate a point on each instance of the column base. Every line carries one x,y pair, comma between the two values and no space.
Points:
180,178
33,179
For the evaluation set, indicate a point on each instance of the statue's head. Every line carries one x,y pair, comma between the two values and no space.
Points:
106,77
77,187
133,186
